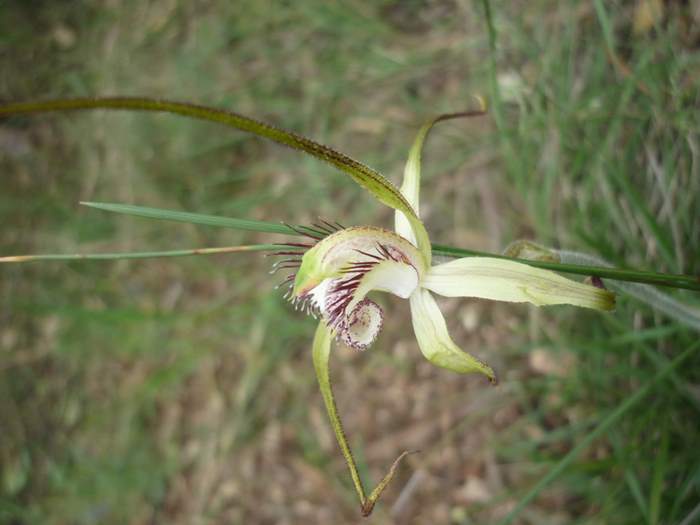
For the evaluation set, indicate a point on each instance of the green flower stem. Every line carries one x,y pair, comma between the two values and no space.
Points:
688,282
138,255
321,357
660,279
619,274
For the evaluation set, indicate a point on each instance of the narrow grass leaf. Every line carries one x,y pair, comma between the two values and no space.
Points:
138,255
657,485
607,423
192,218
661,279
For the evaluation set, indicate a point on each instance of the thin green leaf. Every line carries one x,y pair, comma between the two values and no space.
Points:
138,255
635,489
193,218
660,279
657,485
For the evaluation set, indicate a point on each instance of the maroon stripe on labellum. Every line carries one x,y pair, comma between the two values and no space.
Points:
342,290
367,254
340,295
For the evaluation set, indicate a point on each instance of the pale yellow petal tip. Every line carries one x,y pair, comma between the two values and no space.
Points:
490,375
611,302
481,101
466,364
488,372
592,297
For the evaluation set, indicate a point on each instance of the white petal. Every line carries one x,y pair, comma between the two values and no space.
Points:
398,278
504,280
435,342
318,294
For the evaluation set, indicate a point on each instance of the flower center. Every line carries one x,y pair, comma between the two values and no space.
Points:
337,273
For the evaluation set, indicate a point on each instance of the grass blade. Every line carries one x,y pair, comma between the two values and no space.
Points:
193,218
608,422
688,282
138,255
660,279
657,486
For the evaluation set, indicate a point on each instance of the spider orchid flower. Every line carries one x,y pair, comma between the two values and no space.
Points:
336,274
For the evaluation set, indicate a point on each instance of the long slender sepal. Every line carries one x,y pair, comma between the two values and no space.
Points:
410,188
688,282
435,342
374,182
684,313
321,356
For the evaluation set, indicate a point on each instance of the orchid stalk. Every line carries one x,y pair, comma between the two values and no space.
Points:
337,267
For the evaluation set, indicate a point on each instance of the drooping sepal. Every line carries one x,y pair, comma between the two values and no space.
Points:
321,357
435,342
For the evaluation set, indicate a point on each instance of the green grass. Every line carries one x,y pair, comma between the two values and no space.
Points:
182,390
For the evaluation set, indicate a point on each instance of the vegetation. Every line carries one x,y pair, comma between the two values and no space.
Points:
181,390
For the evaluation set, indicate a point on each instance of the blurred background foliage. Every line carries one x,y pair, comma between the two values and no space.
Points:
182,391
